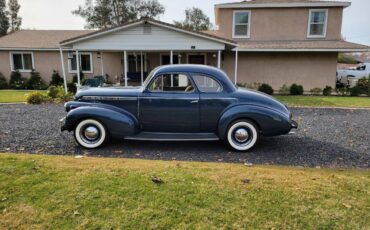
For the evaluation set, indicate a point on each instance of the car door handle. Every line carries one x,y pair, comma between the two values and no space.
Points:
195,101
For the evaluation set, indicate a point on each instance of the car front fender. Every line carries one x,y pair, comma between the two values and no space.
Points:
118,122
269,121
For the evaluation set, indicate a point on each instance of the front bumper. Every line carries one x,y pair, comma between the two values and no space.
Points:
63,126
293,124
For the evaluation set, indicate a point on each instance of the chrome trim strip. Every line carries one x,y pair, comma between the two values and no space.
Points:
224,98
109,98
170,98
180,139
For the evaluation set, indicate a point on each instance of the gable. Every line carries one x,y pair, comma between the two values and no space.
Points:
147,36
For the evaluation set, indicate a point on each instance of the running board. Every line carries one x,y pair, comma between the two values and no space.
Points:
150,136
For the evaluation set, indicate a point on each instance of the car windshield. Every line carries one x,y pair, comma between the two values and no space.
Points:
361,67
149,77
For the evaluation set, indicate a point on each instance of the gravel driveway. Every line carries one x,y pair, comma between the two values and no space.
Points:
326,138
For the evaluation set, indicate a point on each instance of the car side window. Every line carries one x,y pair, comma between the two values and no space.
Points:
207,84
172,83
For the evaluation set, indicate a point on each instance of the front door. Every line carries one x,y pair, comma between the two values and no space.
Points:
199,59
213,101
170,104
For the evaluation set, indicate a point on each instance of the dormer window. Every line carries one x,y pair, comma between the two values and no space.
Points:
241,24
317,23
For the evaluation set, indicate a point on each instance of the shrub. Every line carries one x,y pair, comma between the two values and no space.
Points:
316,91
327,90
56,79
35,81
17,81
343,91
37,98
254,85
296,89
3,82
355,91
75,80
63,96
284,90
72,88
364,86
266,88
53,91
242,85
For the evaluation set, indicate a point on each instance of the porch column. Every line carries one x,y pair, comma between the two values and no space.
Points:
142,68
78,69
102,63
171,61
236,65
125,66
219,59
63,70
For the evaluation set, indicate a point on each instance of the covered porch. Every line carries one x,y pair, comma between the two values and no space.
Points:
126,54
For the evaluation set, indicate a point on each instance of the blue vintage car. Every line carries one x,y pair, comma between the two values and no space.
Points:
177,103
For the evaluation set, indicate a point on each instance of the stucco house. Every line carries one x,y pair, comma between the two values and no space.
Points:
257,41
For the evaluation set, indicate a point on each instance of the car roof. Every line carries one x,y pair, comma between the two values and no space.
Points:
220,75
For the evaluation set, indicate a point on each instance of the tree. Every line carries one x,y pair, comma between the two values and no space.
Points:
4,21
15,20
100,14
195,19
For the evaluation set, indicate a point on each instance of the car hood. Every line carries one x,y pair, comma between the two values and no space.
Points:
110,92
261,99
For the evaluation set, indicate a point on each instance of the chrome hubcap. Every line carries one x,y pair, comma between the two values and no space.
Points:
241,135
91,133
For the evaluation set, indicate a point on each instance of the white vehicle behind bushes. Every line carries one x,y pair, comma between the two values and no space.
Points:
350,77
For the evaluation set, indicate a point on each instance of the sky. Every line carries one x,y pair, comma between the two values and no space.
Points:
56,14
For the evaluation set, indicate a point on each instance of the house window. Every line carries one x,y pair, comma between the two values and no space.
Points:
317,23
241,24
22,62
85,63
134,63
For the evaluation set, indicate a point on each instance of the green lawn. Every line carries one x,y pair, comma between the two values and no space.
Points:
322,101
54,192
12,96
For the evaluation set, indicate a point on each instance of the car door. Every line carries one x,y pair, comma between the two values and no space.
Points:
170,103
213,100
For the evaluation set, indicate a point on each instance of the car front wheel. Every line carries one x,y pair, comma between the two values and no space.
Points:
90,134
242,135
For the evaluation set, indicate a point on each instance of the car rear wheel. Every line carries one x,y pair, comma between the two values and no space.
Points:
242,135
90,134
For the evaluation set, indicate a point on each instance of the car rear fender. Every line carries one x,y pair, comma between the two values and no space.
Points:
119,122
269,121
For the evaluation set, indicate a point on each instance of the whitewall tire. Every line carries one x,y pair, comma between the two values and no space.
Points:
90,134
242,135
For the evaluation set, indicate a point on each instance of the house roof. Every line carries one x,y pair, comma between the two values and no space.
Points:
283,3
309,46
146,20
37,39
51,39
